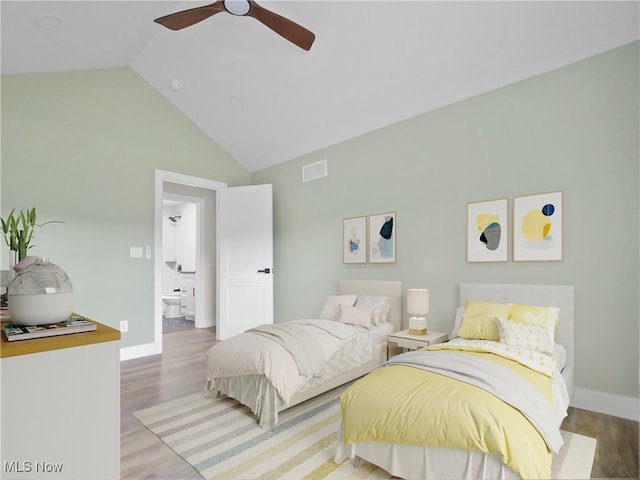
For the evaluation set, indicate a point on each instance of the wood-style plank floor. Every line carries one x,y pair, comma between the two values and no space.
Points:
180,370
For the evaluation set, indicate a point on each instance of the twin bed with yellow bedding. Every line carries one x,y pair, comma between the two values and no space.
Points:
486,405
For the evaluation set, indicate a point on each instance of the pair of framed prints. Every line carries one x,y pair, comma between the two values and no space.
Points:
537,229
374,235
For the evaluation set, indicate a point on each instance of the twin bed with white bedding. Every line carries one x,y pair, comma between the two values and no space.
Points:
486,406
274,367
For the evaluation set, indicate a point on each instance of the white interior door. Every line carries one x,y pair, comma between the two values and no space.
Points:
245,261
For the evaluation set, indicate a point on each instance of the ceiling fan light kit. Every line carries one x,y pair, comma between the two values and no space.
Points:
288,29
237,7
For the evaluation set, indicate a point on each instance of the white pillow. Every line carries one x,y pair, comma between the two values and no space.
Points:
330,309
380,306
526,335
560,354
361,317
457,321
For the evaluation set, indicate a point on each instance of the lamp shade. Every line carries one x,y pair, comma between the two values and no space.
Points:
418,301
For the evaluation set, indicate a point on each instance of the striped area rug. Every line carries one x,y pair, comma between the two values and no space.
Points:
221,439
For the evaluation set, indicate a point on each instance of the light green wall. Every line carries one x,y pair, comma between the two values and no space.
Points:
83,147
574,129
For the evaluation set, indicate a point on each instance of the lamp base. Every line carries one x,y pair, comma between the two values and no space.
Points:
418,332
418,326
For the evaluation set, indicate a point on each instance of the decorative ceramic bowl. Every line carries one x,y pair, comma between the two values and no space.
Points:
40,294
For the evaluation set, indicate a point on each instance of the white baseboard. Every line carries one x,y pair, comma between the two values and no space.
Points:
206,322
608,403
138,351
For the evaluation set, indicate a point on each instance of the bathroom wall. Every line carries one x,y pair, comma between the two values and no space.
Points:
179,241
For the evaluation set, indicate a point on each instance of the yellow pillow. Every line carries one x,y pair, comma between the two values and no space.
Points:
535,315
479,320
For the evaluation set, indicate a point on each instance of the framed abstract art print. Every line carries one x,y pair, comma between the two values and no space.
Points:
537,227
382,238
487,231
354,240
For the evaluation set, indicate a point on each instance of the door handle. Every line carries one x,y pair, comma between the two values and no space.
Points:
266,270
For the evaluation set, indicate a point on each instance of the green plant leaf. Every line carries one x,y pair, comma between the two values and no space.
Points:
18,229
32,216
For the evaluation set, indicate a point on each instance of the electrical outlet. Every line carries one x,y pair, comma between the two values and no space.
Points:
124,326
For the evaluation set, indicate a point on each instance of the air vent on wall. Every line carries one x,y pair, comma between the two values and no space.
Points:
314,171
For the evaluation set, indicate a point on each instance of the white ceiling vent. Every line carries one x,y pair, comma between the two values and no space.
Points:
314,171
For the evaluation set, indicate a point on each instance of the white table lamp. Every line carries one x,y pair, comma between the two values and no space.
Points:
418,305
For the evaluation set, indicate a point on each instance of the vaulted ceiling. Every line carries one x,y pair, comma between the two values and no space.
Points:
373,63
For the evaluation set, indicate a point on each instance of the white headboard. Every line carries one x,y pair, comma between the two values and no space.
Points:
383,288
542,295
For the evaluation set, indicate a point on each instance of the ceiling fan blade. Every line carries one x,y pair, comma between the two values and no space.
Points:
284,27
186,18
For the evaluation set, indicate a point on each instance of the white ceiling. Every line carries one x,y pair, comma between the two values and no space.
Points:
373,63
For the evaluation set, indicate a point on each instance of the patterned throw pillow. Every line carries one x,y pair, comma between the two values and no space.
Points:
526,335
380,306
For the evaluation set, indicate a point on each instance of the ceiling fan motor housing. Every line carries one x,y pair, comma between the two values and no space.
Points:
237,7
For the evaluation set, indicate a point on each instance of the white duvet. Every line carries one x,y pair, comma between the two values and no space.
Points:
251,354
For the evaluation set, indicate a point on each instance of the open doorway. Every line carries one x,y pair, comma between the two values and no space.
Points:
204,193
183,224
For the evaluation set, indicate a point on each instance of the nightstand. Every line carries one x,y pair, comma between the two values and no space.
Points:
404,339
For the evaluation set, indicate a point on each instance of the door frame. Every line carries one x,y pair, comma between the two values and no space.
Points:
162,176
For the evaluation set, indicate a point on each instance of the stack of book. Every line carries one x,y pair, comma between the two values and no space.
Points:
72,325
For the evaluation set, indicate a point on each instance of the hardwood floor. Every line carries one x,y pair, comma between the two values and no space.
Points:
180,370
617,450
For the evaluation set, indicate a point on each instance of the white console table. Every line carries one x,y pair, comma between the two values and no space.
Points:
60,406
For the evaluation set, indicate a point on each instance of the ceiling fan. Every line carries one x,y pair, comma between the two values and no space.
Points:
284,27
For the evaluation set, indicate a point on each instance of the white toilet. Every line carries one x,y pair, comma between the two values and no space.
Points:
172,306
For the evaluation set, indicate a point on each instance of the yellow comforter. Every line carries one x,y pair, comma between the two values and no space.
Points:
407,405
